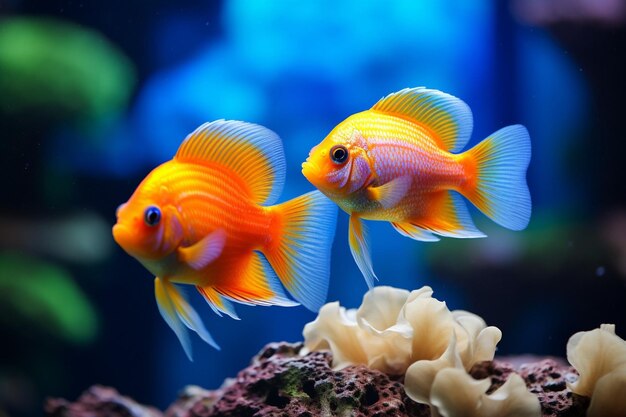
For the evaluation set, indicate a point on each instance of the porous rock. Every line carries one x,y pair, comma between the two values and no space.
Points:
99,401
546,378
280,382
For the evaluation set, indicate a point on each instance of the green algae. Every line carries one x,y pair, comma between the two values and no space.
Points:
292,383
324,393
44,296
61,71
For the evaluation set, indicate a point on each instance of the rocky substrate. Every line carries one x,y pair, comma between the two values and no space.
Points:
281,382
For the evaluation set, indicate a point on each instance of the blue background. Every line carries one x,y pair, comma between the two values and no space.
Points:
300,68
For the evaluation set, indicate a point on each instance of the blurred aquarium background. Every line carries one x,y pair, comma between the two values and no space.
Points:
93,95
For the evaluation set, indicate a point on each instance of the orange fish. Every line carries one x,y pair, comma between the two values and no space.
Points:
205,218
400,162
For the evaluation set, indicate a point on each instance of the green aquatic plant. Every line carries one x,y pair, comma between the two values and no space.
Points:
36,294
59,71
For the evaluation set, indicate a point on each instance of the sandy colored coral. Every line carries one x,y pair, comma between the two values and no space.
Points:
393,329
594,354
456,394
420,376
599,356
609,397
398,332
445,385
374,335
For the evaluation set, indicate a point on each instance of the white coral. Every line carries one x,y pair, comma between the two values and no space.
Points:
393,329
434,326
456,394
374,335
420,376
599,356
336,329
609,396
398,332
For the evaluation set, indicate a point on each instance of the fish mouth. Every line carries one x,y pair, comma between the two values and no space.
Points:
121,234
309,169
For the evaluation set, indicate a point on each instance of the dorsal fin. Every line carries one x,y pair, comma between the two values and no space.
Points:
253,152
448,117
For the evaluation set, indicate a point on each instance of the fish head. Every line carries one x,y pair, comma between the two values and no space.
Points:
148,225
340,165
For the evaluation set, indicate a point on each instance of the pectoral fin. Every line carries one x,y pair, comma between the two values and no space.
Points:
176,311
357,236
205,251
389,194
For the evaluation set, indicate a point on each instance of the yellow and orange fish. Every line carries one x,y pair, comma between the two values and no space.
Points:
205,218
400,162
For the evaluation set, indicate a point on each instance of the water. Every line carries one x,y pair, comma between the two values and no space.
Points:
93,96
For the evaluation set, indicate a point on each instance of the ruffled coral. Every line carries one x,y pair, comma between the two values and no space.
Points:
421,375
599,356
398,332
393,329
456,394
375,335
609,396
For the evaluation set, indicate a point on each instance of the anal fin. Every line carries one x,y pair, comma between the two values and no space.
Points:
452,218
446,215
414,232
254,282
218,303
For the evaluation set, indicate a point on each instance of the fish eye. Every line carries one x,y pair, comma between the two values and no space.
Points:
152,216
339,154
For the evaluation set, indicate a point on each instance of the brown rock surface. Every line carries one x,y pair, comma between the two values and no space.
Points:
99,401
281,382
546,378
